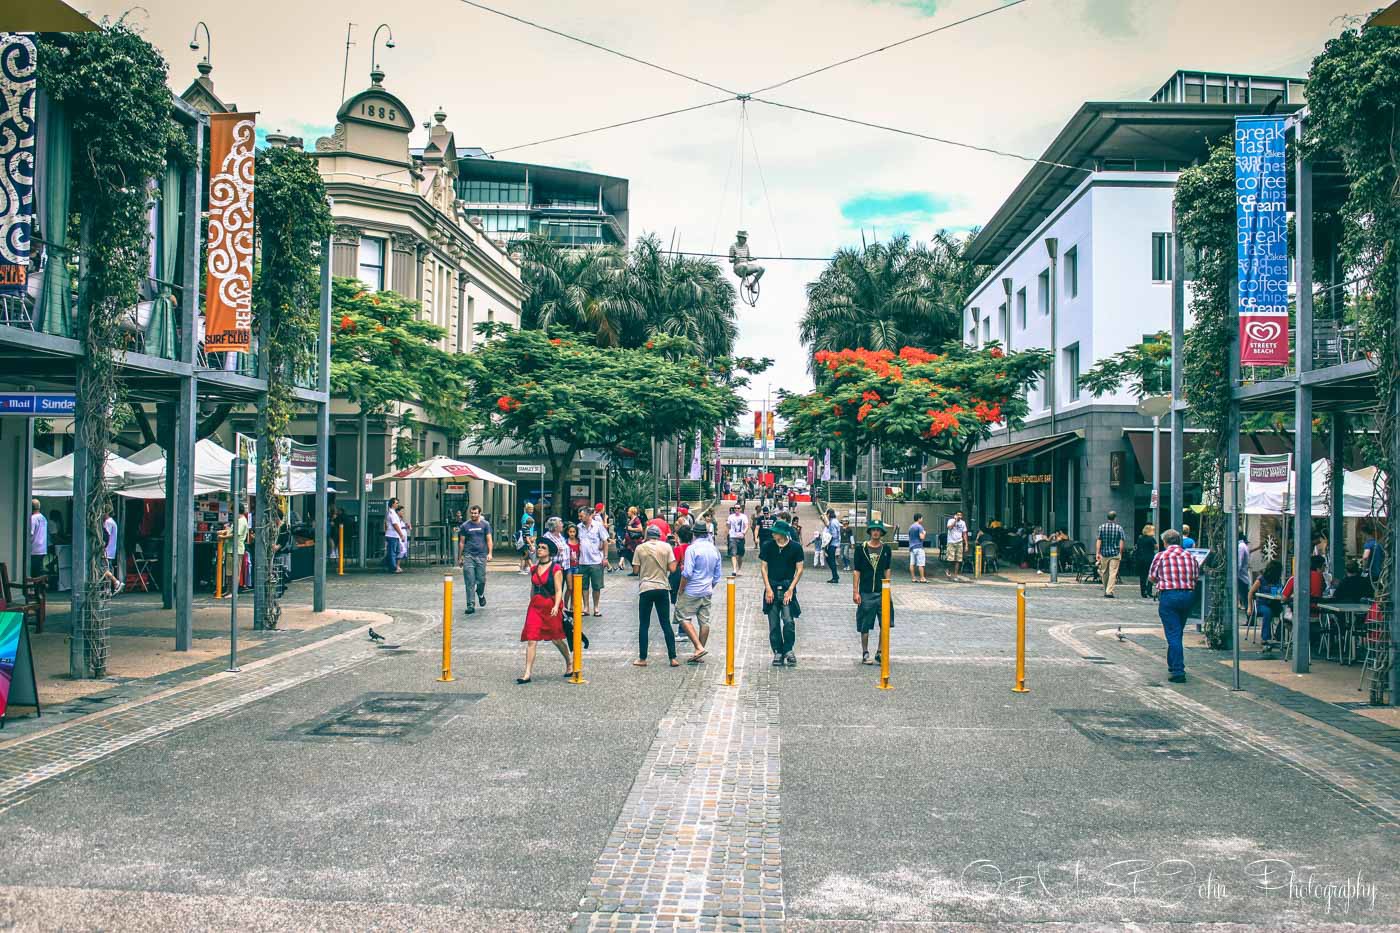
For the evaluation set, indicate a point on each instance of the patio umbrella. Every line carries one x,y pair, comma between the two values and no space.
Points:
443,468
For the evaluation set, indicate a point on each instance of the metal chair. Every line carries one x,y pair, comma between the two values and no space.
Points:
143,566
1327,343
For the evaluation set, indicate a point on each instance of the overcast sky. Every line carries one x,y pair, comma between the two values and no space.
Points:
1007,81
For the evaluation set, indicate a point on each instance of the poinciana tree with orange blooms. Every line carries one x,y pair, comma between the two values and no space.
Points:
913,402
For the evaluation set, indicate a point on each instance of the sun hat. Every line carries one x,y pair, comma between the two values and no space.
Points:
876,525
781,527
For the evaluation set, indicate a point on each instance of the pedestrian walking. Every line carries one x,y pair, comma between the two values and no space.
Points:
1108,552
700,573
393,534
1175,572
474,551
848,543
592,552
525,537
917,559
1242,579
654,561
763,529
632,537
109,548
38,539
405,533
737,525
1143,552
1187,541
235,538
544,619
831,541
956,548
871,572
780,559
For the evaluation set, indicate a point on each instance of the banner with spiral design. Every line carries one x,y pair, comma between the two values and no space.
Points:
228,290
17,131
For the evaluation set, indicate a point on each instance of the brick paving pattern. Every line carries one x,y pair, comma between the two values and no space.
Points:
697,845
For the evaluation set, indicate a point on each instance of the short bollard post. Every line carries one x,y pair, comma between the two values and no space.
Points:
340,550
446,629
1020,640
729,635
1054,565
219,573
885,636
977,562
578,631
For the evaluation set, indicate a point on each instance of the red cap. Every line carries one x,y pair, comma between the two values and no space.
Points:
598,507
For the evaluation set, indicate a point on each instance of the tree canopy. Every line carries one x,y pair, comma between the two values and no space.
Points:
554,392
912,402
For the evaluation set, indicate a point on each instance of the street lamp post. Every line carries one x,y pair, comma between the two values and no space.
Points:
208,46
374,47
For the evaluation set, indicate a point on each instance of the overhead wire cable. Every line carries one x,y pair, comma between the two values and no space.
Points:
772,219
724,194
892,45
601,48
611,126
936,139
681,252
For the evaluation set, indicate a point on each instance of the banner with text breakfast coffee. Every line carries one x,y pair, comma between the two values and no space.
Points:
228,290
1261,238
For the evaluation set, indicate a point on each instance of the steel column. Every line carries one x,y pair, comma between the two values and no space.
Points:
179,518
1178,439
323,432
1336,526
1303,415
360,482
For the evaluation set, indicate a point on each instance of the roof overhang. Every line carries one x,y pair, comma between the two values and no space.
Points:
1006,453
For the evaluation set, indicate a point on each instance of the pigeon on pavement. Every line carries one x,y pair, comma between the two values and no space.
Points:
375,636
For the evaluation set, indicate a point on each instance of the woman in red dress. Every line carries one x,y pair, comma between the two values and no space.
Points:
544,620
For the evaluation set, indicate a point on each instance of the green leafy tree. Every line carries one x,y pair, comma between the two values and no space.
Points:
1146,368
913,403
684,296
556,393
890,294
382,352
588,291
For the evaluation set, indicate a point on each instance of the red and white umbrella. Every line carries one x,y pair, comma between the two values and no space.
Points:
444,468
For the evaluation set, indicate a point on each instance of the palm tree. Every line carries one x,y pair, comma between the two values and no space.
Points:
685,296
589,291
888,295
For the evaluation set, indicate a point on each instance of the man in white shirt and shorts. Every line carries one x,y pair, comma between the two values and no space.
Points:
738,530
957,545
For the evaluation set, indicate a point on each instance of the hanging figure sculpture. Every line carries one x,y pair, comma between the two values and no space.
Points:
748,272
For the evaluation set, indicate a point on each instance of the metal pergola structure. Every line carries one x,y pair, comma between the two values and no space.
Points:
1339,390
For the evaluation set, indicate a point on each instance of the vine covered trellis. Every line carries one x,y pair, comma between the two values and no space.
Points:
111,85
293,220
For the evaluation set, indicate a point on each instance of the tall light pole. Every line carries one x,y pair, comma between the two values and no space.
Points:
374,49
207,64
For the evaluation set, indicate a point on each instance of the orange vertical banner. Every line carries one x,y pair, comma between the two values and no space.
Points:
228,305
771,435
758,425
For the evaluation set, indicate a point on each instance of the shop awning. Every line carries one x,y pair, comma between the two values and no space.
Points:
1251,442
991,456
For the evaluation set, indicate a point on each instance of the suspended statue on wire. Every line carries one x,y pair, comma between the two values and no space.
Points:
747,271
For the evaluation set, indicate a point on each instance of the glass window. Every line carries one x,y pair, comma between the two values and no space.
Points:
1161,257
1021,309
372,262
987,330
1215,93
1072,370
1072,271
1043,292
1193,93
972,336
1001,324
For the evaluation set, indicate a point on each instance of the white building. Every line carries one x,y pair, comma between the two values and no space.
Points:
1081,265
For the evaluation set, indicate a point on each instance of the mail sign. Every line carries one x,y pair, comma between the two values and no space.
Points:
38,404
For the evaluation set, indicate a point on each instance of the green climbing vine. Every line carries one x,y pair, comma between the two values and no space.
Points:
111,84
292,219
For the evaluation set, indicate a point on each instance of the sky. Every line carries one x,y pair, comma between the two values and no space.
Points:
810,185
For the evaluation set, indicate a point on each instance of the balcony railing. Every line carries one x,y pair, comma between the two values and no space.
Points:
1336,338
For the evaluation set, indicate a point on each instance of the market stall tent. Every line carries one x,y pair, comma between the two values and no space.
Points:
1360,496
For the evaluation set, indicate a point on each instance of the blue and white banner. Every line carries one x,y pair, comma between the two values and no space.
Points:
17,132
1261,238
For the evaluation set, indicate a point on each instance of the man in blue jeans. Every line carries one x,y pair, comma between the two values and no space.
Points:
1175,572
833,542
474,549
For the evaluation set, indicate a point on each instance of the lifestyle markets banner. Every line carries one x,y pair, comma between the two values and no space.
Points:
17,132
1261,238
228,291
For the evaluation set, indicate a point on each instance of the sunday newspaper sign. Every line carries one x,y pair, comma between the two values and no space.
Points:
1261,237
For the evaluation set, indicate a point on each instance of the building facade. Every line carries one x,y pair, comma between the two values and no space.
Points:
514,200
1081,258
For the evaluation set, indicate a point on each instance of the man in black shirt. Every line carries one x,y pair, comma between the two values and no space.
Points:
872,569
781,564
763,527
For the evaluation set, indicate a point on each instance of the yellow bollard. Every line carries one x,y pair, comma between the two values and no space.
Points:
977,562
1020,640
578,631
219,573
446,630
341,551
729,636
885,635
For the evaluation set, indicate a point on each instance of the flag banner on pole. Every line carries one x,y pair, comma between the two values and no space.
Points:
17,131
826,466
757,425
1261,220
771,435
719,460
228,308
811,472
696,471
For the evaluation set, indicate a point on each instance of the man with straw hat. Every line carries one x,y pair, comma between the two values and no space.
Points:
870,571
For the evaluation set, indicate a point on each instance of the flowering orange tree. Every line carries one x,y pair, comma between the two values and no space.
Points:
912,402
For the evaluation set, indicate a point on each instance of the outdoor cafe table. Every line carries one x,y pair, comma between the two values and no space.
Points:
1342,613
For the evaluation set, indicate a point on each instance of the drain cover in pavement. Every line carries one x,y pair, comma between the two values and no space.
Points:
384,717
1141,734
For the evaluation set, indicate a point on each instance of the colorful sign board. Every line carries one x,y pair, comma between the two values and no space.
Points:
17,683
228,291
1261,239
18,131
38,404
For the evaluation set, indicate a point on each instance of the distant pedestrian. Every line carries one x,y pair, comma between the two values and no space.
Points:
781,562
871,572
393,535
1108,552
1373,556
738,530
109,549
474,551
38,540
763,529
1143,552
1242,580
544,619
1187,541
633,533
918,537
592,552
700,573
956,548
405,534
831,542
848,543
525,535
654,561
1175,572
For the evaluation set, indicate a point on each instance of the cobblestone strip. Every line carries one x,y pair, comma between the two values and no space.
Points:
53,752
1284,742
697,844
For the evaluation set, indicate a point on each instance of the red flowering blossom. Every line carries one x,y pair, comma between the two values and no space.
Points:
943,420
996,353
555,341
837,410
507,404
915,355
987,413
347,324
865,410
870,395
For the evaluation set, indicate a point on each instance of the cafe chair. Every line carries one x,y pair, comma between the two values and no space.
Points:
143,567
32,599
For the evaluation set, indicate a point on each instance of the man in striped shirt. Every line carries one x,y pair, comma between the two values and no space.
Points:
1175,572
1108,552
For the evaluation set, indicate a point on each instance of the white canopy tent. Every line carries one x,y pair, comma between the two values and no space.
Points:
54,479
1359,494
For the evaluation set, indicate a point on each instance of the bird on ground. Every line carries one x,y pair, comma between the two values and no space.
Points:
375,636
